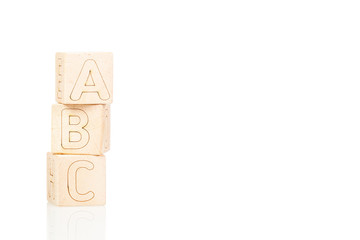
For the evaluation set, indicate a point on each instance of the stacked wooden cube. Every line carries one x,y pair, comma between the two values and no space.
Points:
76,173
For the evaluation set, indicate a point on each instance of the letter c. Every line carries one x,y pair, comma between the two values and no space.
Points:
72,180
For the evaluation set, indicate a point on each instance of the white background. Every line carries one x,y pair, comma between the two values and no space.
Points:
231,119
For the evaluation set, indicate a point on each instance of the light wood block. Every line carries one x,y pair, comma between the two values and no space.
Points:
76,180
80,129
84,78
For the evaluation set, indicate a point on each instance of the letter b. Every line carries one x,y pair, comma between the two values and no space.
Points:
73,132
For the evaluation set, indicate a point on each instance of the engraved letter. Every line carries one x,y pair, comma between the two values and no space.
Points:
51,180
72,181
73,132
90,81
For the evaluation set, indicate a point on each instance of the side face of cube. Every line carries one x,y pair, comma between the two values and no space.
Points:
79,129
84,78
107,129
76,180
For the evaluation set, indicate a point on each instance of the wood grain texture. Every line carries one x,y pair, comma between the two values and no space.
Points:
76,180
84,78
80,129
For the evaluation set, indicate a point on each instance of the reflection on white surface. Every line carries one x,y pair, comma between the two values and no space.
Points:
75,223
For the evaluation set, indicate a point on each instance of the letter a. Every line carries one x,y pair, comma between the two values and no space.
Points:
90,81
72,181
73,132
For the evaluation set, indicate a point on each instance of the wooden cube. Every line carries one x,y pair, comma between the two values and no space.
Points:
76,180
84,78
80,129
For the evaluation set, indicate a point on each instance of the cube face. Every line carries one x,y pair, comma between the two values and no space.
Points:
76,180
84,78
80,129
107,129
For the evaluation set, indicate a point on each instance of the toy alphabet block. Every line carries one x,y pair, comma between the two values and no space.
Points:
84,78
80,129
76,180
